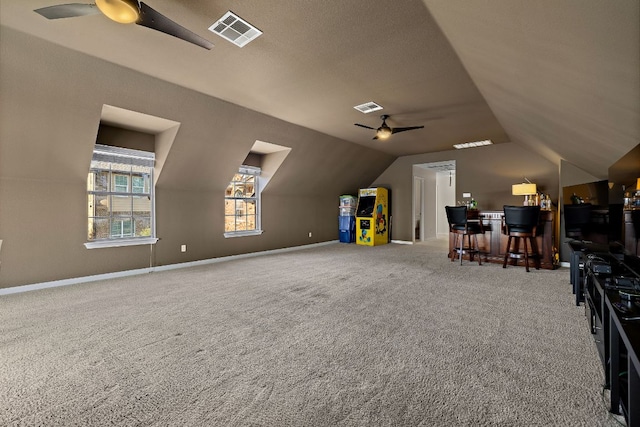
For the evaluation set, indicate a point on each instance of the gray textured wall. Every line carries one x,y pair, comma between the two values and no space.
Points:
52,100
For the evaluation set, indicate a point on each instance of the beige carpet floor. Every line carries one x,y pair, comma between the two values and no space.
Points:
336,335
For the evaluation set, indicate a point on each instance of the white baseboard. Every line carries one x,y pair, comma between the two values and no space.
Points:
127,273
402,242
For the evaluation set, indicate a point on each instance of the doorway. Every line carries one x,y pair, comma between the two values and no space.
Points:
434,187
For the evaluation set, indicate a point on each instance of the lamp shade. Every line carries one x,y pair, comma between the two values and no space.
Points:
523,189
638,184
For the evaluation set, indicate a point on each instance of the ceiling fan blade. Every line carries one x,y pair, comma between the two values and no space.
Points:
68,10
153,19
363,126
396,130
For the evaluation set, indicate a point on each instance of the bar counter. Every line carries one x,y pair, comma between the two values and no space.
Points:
493,243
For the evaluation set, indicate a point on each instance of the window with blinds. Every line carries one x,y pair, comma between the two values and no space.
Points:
120,195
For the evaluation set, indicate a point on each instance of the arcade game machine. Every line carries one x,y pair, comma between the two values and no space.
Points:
372,217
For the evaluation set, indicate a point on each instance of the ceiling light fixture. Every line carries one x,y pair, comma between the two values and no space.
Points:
384,133
121,11
472,144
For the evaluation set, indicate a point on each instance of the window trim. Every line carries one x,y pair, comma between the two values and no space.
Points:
243,233
117,155
115,243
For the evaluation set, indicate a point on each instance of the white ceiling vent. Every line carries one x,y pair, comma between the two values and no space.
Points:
472,144
440,166
368,107
235,29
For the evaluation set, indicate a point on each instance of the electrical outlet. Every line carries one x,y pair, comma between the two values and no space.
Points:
183,248
310,234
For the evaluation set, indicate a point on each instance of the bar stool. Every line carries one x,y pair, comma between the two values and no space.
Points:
521,223
460,226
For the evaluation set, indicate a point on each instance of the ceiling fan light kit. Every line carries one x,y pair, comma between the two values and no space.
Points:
122,11
384,131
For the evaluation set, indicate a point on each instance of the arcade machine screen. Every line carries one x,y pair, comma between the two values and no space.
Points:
366,205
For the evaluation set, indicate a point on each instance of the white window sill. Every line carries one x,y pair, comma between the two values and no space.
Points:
116,243
243,233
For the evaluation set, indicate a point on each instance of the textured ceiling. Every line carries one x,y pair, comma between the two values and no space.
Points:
560,76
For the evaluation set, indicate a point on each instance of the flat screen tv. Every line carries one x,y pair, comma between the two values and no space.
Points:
623,177
607,198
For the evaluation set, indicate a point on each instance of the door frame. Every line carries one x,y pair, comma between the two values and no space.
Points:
418,209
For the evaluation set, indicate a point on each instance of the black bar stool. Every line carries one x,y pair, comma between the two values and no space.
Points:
460,225
521,223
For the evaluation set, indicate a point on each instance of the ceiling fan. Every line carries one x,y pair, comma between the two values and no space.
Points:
384,131
125,12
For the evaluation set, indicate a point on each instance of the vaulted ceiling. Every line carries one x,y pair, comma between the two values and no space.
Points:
561,77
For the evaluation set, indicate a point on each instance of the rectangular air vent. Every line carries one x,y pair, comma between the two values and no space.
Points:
368,107
441,166
235,29
472,144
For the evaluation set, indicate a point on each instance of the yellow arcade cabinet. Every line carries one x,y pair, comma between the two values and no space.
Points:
372,217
